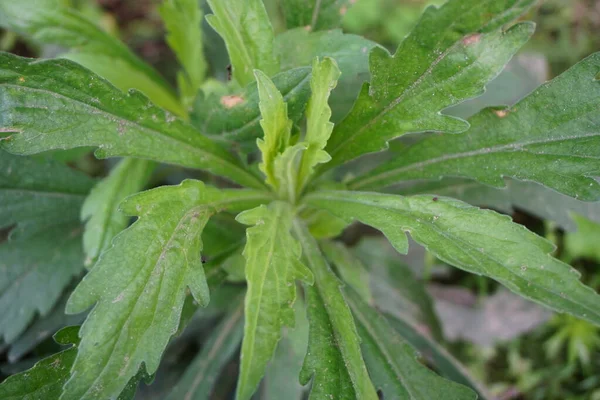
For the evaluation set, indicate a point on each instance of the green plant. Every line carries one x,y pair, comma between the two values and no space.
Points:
146,281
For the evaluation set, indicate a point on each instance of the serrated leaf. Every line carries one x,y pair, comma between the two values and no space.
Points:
272,267
551,137
46,378
318,127
281,379
48,22
36,194
34,271
100,209
276,125
394,364
528,196
478,241
88,111
298,48
234,118
245,27
199,378
139,285
349,267
314,15
449,57
334,356
183,20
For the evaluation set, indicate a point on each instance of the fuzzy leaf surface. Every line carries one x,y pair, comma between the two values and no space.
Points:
183,21
34,271
334,357
449,57
394,364
551,137
100,209
88,111
36,194
234,118
246,29
272,267
200,377
139,285
47,22
314,15
478,241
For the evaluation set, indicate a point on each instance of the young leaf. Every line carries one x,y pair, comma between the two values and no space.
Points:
50,23
272,267
475,240
436,66
324,79
46,378
183,20
88,111
38,194
286,167
275,124
245,27
234,118
100,211
33,274
139,285
550,137
314,15
281,380
349,267
334,347
393,362
199,378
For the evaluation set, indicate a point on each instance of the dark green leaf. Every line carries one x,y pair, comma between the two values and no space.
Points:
140,283
314,15
88,111
334,347
449,57
550,137
393,363
478,241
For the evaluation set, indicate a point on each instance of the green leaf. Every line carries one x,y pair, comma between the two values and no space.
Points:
318,127
183,20
286,167
550,137
245,27
36,194
321,224
449,57
234,118
50,23
140,283
478,241
275,125
584,242
199,378
528,196
394,364
88,111
100,211
272,267
281,380
334,347
46,378
314,15
350,268
33,274
298,48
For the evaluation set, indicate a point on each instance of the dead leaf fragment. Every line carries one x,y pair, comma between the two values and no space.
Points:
231,101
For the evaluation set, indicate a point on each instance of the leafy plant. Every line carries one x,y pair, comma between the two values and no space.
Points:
146,282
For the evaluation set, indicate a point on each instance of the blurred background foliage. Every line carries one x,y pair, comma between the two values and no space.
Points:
515,348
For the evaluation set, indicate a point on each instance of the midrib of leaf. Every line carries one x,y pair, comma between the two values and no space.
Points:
151,131
315,15
227,328
512,147
44,193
